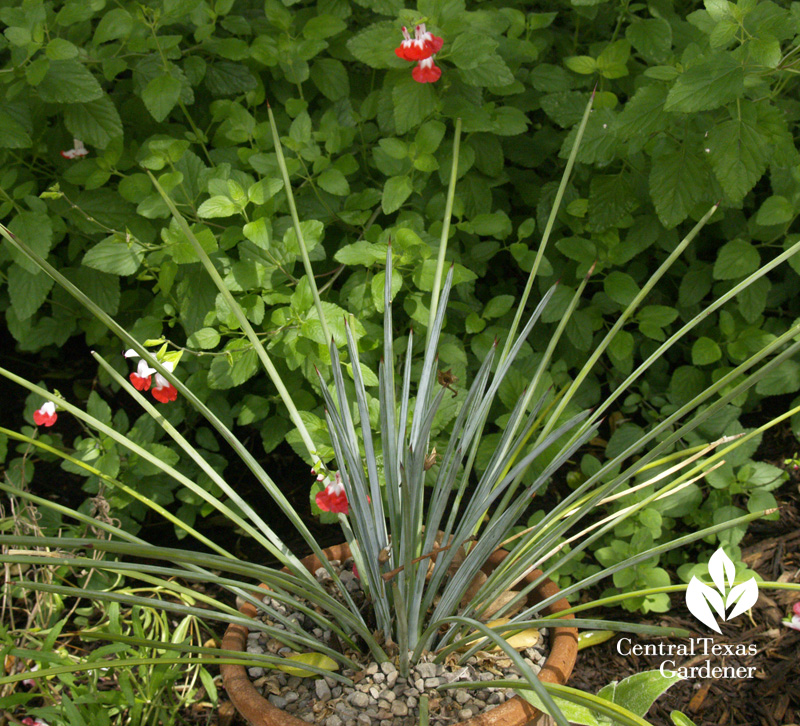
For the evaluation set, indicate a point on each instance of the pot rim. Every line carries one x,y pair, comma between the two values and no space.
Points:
516,711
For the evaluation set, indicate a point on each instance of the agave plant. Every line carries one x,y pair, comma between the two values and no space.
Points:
420,536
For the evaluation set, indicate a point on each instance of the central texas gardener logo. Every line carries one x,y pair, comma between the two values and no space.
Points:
728,600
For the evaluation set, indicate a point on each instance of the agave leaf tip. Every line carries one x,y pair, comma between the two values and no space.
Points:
591,269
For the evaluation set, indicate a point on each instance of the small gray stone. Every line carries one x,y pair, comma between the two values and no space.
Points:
256,672
462,696
426,670
465,713
399,708
432,682
388,667
358,699
277,701
322,689
333,720
391,678
291,696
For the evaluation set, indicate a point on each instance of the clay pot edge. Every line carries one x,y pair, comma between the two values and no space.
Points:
258,711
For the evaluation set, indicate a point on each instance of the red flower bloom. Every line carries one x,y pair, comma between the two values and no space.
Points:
164,391
46,415
77,151
333,498
422,45
141,379
426,71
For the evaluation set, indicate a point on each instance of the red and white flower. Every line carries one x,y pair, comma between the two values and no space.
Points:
28,721
77,151
423,45
795,621
332,498
163,390
141,379
46,415
426,71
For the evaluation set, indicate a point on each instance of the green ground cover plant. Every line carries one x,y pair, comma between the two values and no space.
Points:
694,106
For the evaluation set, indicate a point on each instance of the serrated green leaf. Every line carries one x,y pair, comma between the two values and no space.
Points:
36,231
783,379
114,255
13,134
753,299
224,78
27,290
498,306
204,339
160,95
94,122
375,45
218,206
775,210
739,152
583,64
330,77
312,231
68,81
705,351
60,49
413,103
334,182
620,287
429,136
323,26
114,23
707,85
395,192
736,259
677,183
651,37
470,50
258,232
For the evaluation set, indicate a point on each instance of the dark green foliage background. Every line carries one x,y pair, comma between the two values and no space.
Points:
695,104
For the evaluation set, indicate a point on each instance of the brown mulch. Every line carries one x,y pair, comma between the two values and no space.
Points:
772,696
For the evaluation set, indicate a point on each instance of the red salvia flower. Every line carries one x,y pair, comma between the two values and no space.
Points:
141,379
422,45
77,151
46,415
332,498
426,71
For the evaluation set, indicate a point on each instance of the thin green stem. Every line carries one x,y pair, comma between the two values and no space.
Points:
562,187
296,223
448,213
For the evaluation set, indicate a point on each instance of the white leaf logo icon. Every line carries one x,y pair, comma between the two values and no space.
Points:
701,598
722,570
744,595
698,597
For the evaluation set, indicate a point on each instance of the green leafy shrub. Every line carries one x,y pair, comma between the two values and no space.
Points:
692,107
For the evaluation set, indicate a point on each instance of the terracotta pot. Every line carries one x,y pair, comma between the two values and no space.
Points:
258,711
